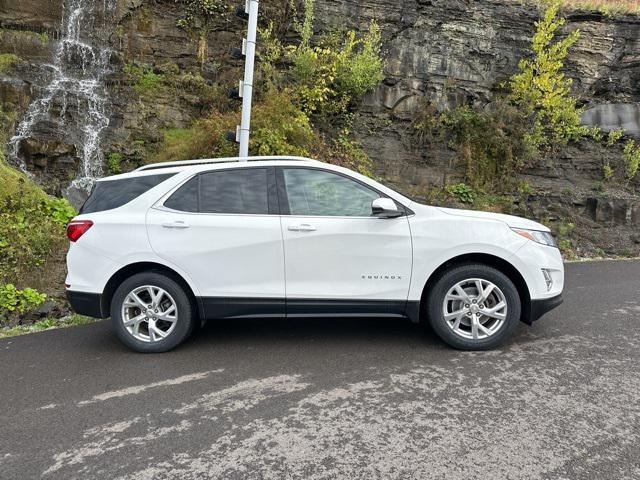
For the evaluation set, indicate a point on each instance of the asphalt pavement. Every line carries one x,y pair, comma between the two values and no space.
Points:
336,398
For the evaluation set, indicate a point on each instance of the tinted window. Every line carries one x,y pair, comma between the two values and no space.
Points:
234,191
242,191
316,192
185,199
110,194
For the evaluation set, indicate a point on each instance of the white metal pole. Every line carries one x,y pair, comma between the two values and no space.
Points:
247,85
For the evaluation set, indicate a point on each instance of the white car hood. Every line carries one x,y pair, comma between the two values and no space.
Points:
511,220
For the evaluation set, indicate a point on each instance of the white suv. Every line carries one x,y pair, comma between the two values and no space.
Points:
164,247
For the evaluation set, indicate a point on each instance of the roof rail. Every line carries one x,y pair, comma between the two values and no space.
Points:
206,161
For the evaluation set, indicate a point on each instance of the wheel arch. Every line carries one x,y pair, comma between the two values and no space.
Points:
134,268
494,261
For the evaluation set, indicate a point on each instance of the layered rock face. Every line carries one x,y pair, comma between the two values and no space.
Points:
453,52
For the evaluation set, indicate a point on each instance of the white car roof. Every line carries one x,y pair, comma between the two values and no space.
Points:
212,163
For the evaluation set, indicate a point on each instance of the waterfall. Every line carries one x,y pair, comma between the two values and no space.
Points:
74,98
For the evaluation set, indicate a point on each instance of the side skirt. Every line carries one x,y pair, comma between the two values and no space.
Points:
230,307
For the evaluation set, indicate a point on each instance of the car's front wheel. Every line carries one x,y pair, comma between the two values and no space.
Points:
474,307
151,313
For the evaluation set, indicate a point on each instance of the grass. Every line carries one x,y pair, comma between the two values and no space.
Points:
45,324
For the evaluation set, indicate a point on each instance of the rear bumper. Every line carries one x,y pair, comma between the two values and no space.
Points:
542,306
89,304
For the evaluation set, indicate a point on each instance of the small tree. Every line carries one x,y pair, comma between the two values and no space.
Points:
543,91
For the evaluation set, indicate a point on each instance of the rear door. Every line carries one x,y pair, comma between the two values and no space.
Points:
223,229
339,259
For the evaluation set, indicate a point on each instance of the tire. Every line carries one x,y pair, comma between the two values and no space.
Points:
157,330
493,324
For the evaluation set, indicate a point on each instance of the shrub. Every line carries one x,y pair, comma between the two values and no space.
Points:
31,222
614,135
359,64
59,210
328,78
489,143
200,14
204,139
607,171
279,127
114,162
143,78
462,192
21,301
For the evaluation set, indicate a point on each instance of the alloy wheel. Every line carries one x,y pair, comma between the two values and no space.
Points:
149,313
475,308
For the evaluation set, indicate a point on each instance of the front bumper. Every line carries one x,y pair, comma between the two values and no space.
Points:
538,307
84,303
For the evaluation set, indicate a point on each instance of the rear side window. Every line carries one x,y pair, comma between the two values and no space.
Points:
111,194
185,199
241,191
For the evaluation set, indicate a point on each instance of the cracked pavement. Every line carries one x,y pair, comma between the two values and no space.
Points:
336,398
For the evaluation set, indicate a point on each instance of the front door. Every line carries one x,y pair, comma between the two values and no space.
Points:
339,259
222,228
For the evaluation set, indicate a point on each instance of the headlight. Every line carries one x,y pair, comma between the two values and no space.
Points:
545,238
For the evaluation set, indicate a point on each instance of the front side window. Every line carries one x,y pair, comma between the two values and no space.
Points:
322,193
241,191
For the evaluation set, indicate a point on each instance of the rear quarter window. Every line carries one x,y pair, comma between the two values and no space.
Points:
111,194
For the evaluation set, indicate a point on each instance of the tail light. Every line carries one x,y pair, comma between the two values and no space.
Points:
77,228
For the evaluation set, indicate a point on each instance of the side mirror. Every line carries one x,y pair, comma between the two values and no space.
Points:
385,208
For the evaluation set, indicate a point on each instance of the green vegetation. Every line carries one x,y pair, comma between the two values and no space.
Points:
564,232
143,78
200,15
45,324
543,91
12,299
328,78
462,192
632,159
537,116
280,127
613,136
22,35
318,84
31,224
607,171
7,61
303,93
114,163
154,81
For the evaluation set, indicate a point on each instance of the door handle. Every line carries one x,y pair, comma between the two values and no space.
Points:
176,224
305,227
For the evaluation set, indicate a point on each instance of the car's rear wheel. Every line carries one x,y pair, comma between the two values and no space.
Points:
474,307
151,312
